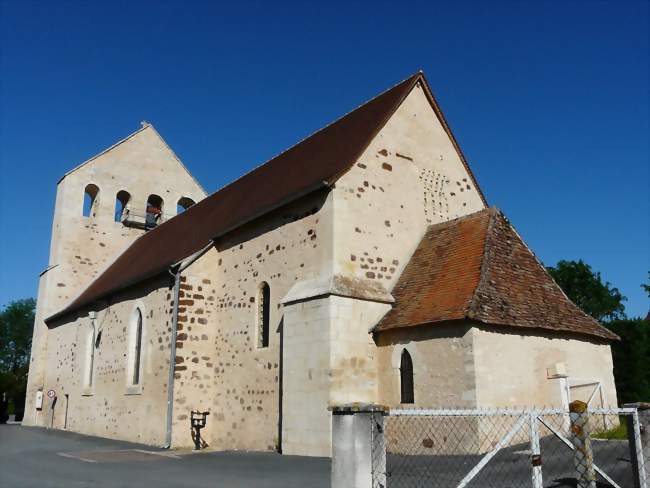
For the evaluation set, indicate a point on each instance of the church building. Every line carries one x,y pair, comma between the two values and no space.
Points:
363,264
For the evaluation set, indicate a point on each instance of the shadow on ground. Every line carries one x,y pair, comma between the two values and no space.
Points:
34,457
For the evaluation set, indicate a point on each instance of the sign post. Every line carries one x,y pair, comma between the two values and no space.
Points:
51,394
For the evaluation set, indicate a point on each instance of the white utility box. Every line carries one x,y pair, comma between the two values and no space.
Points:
39,400
558,370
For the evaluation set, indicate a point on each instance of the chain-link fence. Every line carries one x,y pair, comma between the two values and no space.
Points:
594,448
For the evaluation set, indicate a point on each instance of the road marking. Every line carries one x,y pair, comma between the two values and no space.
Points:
157,453
65,454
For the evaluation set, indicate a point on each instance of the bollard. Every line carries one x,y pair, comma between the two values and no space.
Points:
583,457
638,431
355,428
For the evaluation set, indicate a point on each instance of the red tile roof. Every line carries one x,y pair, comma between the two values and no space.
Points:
316,162
477,268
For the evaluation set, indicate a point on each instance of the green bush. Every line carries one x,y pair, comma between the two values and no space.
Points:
631,357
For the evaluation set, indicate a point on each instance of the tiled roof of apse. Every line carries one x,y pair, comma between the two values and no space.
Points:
477,268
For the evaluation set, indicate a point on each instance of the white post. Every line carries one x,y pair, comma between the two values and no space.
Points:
352,445
535,452
638,428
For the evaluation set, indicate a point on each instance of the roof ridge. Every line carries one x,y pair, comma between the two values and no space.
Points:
145,125
558,287
162,139
447,128
493,213
461,218
419,74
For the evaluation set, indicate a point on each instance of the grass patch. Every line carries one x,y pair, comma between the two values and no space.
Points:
618,433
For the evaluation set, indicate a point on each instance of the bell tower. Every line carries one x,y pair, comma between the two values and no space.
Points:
101,207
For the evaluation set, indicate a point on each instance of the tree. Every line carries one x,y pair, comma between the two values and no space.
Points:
646,287
588,291
631,357
16,325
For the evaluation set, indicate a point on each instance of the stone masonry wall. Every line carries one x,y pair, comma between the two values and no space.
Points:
443,365
82,246
409,177
218,357
109,408
196,354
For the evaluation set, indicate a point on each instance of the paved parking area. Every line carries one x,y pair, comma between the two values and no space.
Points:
34,457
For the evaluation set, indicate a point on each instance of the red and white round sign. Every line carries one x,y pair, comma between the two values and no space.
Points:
51,394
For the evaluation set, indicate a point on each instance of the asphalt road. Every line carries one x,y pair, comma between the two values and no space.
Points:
511,467
33,457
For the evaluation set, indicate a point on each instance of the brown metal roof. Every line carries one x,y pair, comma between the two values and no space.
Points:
478,268
317,161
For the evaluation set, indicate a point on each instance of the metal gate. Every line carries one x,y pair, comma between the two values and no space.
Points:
508,448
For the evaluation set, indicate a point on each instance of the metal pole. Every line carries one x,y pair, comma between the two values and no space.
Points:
65,420
172,361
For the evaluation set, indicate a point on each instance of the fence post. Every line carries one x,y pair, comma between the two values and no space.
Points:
535,452
583,458
638,432
354,430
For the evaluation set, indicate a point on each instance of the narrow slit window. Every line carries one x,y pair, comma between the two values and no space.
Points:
91,201
406,378
263,315
137,348
90,357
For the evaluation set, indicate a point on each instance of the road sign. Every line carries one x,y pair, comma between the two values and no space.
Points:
51,394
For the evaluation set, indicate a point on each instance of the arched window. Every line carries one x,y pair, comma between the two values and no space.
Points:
90,200
263,314
406,378
154,211
183,204
136,348
121,201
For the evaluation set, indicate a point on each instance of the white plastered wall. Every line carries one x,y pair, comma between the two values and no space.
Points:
512,366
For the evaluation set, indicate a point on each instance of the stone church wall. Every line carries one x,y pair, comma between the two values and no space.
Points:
443,366
409,177
109,406
218,355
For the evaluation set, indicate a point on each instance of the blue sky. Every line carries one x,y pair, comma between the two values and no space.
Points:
548,100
